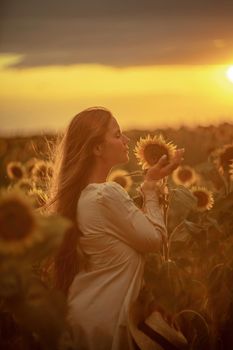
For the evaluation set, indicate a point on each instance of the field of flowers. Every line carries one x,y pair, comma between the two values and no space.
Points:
191,280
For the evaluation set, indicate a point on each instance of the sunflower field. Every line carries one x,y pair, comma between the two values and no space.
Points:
191,279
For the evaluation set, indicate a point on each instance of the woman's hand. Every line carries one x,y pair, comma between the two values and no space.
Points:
164,168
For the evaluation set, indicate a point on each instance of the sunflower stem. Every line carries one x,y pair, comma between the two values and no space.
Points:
165,213
136,172
173,233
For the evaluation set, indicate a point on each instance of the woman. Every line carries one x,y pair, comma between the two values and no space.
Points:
100,263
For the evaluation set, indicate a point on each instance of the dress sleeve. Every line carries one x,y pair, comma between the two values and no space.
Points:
142,231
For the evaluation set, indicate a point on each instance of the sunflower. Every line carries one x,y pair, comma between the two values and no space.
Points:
18,223
204,197
122,177
223,157
231,170
184,175
38,196
15,170
42,170
150,149
30,164
25,185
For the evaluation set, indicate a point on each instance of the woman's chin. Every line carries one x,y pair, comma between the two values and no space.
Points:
126,158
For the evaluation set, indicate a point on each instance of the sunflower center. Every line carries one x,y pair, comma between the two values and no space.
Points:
25,185
184,175
41,172
17,172
16,221
202,198
121,181
153,153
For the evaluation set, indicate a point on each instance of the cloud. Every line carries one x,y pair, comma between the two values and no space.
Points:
123,34
105,8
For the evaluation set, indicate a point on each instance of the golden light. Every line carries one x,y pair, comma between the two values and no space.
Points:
140,96
230,73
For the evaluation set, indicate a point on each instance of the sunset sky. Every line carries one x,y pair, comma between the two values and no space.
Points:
152,63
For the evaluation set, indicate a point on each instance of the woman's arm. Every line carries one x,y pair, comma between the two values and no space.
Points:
142,231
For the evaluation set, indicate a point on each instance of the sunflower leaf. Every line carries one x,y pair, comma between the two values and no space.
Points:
195,329
182,201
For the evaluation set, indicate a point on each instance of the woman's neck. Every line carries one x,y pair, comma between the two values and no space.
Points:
99,174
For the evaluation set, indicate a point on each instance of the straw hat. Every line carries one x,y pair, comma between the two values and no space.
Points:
152,332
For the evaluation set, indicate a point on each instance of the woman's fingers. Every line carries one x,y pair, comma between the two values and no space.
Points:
178,157
178,154
169,168
163,167
162,161
174,163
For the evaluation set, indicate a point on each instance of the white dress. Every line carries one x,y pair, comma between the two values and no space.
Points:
116,235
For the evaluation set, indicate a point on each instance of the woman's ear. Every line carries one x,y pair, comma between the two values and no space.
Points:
97,150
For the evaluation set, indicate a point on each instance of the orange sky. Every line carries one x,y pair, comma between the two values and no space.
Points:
152,63
151,96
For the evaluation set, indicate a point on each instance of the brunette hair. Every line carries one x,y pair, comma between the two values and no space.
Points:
72,166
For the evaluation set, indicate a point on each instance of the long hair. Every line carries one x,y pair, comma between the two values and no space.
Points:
72,166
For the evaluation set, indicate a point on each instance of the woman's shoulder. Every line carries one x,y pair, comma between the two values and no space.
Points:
108,195
105,190
103,187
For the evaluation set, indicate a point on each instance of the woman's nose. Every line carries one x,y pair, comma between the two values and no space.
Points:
126,139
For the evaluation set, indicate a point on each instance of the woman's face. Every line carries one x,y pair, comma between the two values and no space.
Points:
115,148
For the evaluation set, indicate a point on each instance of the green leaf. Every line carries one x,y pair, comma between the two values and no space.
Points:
195,329
182,201
210,174
180,234
192,227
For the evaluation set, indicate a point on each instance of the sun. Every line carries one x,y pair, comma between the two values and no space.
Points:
230,73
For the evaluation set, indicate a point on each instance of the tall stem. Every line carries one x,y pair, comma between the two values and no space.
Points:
165,213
